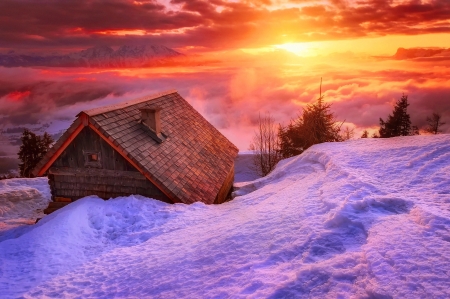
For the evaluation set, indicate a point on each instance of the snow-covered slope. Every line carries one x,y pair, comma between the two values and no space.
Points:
21,203
360,219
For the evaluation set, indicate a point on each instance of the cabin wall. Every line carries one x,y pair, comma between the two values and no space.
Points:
225,190
88,141
73,176
75,183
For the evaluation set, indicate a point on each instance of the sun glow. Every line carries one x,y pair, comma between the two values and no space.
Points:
378,45
123,32
144,32
300,49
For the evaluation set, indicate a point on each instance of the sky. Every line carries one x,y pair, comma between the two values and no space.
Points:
247,58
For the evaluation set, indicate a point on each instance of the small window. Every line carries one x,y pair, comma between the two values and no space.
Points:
92,159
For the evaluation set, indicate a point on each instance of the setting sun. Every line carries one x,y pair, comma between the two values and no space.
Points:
300,49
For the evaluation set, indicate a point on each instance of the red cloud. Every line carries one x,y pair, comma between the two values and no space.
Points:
18,95
231,95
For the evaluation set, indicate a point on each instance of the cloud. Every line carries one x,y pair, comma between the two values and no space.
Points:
8,165
46,25
423,54
44,96
232,94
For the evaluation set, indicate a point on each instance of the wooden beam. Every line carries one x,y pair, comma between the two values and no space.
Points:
131,161
96,172
60,149
84,119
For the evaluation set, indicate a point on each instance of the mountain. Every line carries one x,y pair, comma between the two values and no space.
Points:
421,53
98,57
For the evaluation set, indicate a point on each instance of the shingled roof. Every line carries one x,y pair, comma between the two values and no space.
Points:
190,165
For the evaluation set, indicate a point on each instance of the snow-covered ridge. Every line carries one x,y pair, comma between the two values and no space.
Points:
358,219
100,57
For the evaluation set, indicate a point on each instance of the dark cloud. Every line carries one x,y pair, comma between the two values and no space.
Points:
47,95
8,165
202,7
13,130
38,25
75,22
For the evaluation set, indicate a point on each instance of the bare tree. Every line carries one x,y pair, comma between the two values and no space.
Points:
266,146
434,123
365,134
347,133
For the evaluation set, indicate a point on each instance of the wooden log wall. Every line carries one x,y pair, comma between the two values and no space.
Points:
70,176
88,141
226,189
75,183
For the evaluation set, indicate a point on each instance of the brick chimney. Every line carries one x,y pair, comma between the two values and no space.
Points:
152,119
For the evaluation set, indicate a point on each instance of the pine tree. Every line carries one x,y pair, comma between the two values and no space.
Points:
32,150
399,123
289,142
46,142
365,134
316,124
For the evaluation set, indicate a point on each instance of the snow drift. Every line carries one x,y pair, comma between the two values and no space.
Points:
365,218
21,202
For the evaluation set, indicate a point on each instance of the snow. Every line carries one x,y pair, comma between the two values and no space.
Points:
244,169
368,218
21,203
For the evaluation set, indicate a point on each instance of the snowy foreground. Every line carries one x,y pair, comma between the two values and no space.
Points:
361,219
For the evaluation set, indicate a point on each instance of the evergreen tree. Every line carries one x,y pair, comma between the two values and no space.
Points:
315,125
289,142
32,150
46,142
365,134
399,123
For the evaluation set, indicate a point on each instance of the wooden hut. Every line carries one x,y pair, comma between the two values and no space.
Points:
158,146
